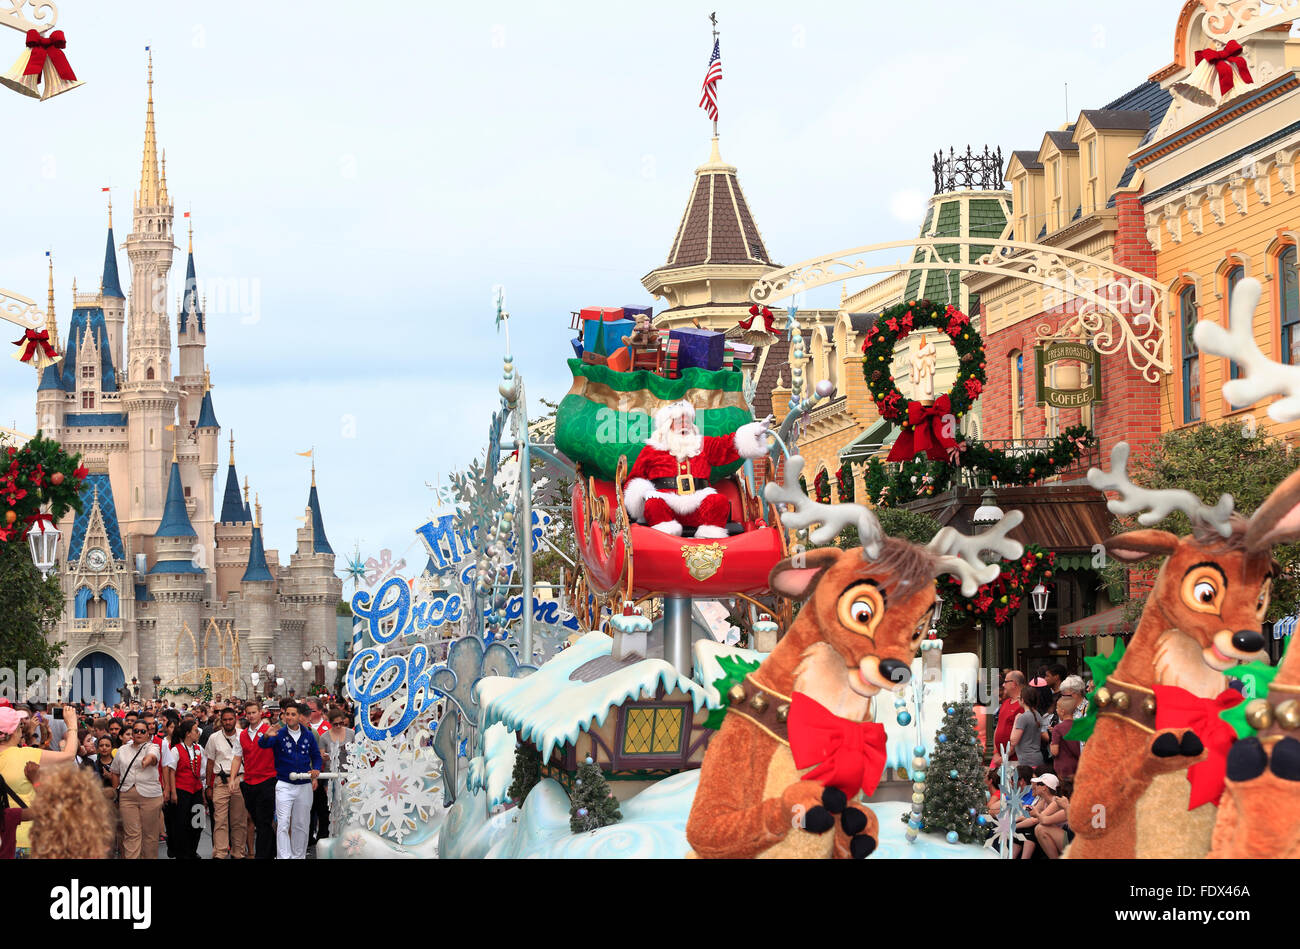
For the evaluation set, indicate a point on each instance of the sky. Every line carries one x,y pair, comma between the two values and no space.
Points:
361,176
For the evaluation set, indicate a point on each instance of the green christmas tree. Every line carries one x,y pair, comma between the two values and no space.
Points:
954,781
205,693
527,773
593,803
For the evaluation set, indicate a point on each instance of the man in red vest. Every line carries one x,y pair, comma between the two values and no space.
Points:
257,765
1012,684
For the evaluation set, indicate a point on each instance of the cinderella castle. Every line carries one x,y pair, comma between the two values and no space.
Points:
159,589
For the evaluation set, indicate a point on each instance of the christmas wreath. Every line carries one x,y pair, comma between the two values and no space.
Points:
39,475
1000,600
927,429
822,487
844,478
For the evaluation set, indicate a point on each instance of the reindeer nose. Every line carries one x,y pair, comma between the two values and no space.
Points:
1247,640
896,671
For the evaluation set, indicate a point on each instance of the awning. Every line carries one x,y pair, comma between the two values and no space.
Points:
1109,622
1285,626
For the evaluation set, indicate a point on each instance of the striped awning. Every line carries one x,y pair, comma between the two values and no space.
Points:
1109,622
1285,626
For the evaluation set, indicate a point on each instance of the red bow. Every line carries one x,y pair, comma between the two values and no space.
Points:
1178,708
753,312
1223,60
848,755
925,432
32,340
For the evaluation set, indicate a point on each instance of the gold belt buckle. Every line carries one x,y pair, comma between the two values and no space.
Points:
685,484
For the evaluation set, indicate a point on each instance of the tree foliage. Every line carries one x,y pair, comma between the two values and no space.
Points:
1211,460
29,608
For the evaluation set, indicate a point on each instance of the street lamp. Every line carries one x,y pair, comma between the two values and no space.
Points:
988,512
319,652
1039,595
43,538
157,681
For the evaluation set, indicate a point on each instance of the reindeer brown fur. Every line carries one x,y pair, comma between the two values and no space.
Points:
864,614
1202,618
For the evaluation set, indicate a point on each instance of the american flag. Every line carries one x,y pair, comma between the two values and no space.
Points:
709,101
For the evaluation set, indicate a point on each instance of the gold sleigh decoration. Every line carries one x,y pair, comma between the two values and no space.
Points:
703,560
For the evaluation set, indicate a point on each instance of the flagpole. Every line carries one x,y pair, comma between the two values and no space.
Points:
713,18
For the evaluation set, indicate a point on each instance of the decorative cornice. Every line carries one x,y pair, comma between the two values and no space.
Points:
1177,140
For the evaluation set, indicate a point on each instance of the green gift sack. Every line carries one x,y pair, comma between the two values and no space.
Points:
607,414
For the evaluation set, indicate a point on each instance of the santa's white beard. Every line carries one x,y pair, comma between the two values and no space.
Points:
680,445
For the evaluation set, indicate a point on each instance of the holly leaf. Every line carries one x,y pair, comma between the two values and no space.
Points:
1256,678
736,669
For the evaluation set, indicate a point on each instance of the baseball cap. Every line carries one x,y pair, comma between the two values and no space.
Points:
9,720
1050,780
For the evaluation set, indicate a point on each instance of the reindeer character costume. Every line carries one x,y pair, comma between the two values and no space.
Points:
1152,774
798,744
1259,815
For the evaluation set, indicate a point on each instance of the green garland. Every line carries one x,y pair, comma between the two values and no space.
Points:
27,484
920,477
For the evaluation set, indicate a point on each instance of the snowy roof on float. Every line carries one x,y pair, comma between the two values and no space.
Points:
550,709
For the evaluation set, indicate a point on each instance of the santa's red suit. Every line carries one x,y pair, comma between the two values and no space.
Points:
669,485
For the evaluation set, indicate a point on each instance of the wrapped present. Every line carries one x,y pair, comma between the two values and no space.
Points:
620,360
594,359
699,349
670,367
606,313
602,337
633,312
577,347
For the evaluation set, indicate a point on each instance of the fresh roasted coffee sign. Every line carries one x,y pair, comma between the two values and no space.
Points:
1084,393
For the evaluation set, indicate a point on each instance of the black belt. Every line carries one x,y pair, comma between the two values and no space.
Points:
682,484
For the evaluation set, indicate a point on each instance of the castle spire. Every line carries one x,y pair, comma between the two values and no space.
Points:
319,542
110,285
51,323
149,196
232,448
162,184
232,509
175,519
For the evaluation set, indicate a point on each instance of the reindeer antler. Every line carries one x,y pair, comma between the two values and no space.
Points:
1158,504
961,555
1260,376
833,518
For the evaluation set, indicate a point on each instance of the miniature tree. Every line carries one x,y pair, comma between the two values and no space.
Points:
593,803
954,785
527,773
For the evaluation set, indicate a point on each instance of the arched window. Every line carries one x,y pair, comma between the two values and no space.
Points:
1187,311
1230,284
1017,360
81,603
111,604
148,373
1288,282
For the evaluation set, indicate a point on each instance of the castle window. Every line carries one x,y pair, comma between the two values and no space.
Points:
1191,358
148,373
187,491
87,400
88,373
1234,278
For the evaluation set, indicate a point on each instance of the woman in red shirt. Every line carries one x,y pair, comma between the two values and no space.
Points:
186,763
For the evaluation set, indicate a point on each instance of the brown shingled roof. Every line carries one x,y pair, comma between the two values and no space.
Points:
717,227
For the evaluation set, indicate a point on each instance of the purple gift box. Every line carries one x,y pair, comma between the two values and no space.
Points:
632,312
698,349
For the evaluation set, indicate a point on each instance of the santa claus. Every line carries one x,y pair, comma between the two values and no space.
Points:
669,485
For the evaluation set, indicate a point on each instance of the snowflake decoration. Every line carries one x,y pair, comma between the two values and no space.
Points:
354,843
355,569
391,789
377,571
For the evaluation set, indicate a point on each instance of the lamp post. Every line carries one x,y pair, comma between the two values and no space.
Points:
986,514
157,681
319,652
1039,596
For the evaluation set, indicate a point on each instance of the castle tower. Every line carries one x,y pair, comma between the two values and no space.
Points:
114,300
716,255
208,433
234,535
312,585
50,401
191,338
150,396
177,584
258,623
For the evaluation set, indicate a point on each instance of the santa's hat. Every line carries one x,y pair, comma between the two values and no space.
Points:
667,414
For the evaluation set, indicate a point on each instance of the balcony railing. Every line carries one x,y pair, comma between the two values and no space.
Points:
1023,447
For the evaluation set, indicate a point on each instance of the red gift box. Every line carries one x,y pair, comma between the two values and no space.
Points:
606,313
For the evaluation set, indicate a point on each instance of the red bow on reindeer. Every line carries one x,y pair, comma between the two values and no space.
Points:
1223,61
35,341
753,313
848,755
926,431
1178,708
51,46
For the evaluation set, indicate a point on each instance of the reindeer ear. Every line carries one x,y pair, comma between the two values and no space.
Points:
1278,519
1139,545
796,576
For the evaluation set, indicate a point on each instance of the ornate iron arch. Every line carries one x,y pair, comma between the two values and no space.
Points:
1119,309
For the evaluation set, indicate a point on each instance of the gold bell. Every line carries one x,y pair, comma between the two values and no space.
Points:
1149,705
737,693
759,702
1259,714
1102,697
15,80
1121,701
782,712
1288,714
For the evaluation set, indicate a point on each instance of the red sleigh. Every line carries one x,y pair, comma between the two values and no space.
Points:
624,560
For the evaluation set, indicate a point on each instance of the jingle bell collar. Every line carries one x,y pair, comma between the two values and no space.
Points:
847,755
1256,677
1176,708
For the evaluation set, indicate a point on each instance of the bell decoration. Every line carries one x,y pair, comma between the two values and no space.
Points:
34,349
1217,74
1200,85
42,71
